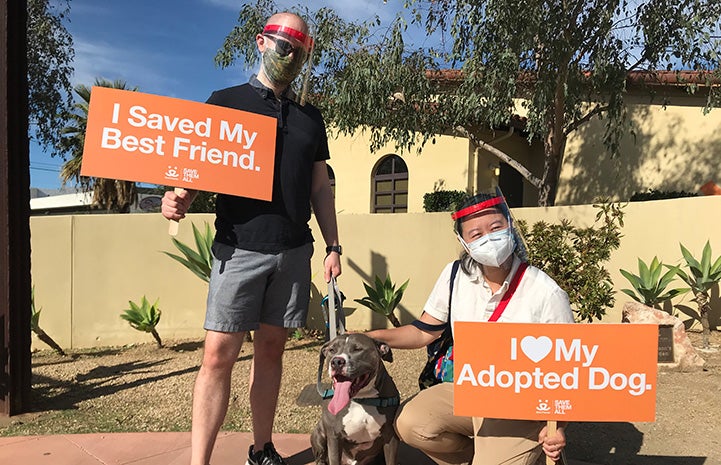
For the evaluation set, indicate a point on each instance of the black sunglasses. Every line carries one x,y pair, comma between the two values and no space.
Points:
283,47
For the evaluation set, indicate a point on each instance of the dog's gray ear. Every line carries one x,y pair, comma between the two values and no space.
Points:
325,347
385,351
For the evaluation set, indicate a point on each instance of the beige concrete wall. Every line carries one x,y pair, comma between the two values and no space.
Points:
85,268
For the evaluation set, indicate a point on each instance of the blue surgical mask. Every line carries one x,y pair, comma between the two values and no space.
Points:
492,249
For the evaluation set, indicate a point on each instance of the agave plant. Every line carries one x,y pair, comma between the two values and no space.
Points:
649,286
702,276
384,298
198,261
35,326
144,317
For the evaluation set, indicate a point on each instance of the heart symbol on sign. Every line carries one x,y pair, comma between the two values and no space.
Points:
536,348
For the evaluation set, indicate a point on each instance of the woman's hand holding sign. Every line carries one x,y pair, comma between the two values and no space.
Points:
552,443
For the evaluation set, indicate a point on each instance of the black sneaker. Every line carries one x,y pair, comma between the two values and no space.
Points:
267,456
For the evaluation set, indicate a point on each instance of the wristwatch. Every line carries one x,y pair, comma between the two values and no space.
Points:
334,248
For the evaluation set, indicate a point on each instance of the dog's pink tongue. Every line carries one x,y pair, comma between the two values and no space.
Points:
341,397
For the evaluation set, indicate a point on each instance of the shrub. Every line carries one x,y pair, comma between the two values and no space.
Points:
35,326
653,194
442,200
702,276
144,317
198,261
649,285
574,257
384,298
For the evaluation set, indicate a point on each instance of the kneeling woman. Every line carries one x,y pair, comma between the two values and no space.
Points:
487,267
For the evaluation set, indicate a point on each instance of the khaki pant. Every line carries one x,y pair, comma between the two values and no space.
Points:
426,422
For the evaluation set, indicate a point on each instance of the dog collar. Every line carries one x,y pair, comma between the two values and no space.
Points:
372,401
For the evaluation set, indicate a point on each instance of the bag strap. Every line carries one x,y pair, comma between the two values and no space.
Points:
509,293
454,272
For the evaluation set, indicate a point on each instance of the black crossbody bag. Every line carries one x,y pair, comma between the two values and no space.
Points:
439,366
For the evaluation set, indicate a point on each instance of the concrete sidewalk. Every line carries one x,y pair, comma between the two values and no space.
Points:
158,449
154,449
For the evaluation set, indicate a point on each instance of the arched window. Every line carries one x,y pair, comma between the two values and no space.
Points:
390,186
331,177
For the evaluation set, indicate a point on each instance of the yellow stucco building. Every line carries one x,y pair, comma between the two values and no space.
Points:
673,147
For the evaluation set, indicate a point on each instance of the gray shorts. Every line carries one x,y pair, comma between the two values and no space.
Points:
248,288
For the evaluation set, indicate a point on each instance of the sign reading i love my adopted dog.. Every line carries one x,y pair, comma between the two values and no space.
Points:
564,372
162,140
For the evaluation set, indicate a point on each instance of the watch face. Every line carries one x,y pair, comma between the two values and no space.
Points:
334,248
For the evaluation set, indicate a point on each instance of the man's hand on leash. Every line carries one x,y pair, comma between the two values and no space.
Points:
552,446
331,263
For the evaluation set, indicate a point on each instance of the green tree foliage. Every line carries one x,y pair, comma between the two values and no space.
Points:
568,61
574,256
50,56
111,194
204,203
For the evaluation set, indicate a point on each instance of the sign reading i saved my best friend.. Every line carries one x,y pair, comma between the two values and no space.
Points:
162,140
562,372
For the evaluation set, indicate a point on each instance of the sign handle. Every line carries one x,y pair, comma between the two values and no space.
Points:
173,225
332,328
550,431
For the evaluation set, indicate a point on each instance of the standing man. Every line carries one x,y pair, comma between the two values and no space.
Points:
260,279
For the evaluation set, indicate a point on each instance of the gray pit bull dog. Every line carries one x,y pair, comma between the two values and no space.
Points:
357,423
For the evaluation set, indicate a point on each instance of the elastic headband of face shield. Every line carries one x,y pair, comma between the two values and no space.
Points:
478,203
289,32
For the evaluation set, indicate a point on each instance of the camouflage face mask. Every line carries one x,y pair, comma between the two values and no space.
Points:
281,70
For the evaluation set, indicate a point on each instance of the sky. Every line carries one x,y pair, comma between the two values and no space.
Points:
163,47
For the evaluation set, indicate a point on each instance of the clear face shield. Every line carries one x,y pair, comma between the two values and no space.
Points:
493,239
278,34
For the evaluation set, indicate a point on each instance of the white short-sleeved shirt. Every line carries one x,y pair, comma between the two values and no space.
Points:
538,299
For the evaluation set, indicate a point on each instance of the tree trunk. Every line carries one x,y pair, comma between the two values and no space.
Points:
49,341
702,300
554,145
549,181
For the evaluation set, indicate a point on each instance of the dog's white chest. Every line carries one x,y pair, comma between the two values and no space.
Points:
362,423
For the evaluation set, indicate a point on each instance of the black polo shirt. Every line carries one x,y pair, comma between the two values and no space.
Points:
301,141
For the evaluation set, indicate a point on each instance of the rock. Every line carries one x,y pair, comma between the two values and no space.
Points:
685,356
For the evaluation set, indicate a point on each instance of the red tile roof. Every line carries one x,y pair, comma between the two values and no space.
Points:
650,78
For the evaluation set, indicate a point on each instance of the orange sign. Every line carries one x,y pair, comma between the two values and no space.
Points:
161,140
574,372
